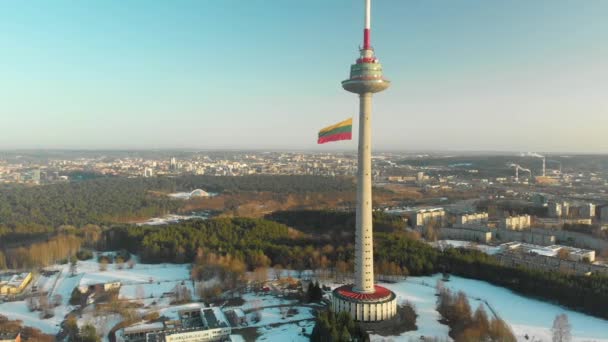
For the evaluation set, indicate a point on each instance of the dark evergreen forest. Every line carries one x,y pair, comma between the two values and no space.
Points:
263,243
40,210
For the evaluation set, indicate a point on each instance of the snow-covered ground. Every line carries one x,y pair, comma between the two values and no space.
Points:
468,244
58,284
524,315
253,300
287,332
273,315
153,280
171,218
282,329
193,194
424,300
139,274
19,311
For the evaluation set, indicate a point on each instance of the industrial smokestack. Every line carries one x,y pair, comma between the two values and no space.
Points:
534,154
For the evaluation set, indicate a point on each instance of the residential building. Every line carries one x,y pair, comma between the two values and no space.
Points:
467,234
12,284
10,336
515,222
604,213
558,209
587,210
424,217
472,219
194,325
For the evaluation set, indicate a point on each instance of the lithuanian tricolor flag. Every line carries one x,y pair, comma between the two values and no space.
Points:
340,131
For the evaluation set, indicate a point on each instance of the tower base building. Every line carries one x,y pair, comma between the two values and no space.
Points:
378,306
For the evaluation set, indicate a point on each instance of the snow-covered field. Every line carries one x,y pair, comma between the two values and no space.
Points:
60,284
273,315
253,300
287,332
154,280
423,298
19,311
282,329
468,244
524,315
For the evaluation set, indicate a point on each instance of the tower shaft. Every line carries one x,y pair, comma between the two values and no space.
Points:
364,246
364,300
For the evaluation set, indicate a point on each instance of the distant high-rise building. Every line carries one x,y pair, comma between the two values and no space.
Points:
515,222
420,176
558,209
587,210
148,172
472,219
555,209
173,164
565,209
604,213
36,176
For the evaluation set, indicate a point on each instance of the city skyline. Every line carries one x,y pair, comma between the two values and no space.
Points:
471,75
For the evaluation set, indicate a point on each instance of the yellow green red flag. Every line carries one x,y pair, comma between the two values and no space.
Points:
340,131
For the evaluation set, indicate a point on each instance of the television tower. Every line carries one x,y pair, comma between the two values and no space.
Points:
364,300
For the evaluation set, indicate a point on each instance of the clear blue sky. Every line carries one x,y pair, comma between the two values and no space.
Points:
529,75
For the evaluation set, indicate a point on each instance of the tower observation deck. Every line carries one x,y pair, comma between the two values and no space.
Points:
364,300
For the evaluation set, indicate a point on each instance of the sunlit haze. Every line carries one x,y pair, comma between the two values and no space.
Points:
466,75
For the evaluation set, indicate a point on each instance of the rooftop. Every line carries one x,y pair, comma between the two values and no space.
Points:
347,292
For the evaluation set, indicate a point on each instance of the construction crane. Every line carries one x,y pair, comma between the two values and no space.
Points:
517,168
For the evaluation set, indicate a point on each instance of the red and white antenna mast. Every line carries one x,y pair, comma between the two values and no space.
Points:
368,26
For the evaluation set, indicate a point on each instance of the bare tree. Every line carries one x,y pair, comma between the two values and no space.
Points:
561,329
57,299
430,232
32,303
46,310
120,263
440,287
563,254
284,310
182,294
43,302
256,307
73,266
278,270
103,265
260,275
139,292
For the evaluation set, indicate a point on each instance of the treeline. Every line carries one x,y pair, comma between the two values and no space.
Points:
332,222
43,253
67,243
272,183
26,211
584,293
465,326
262,243
33,210
242,238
